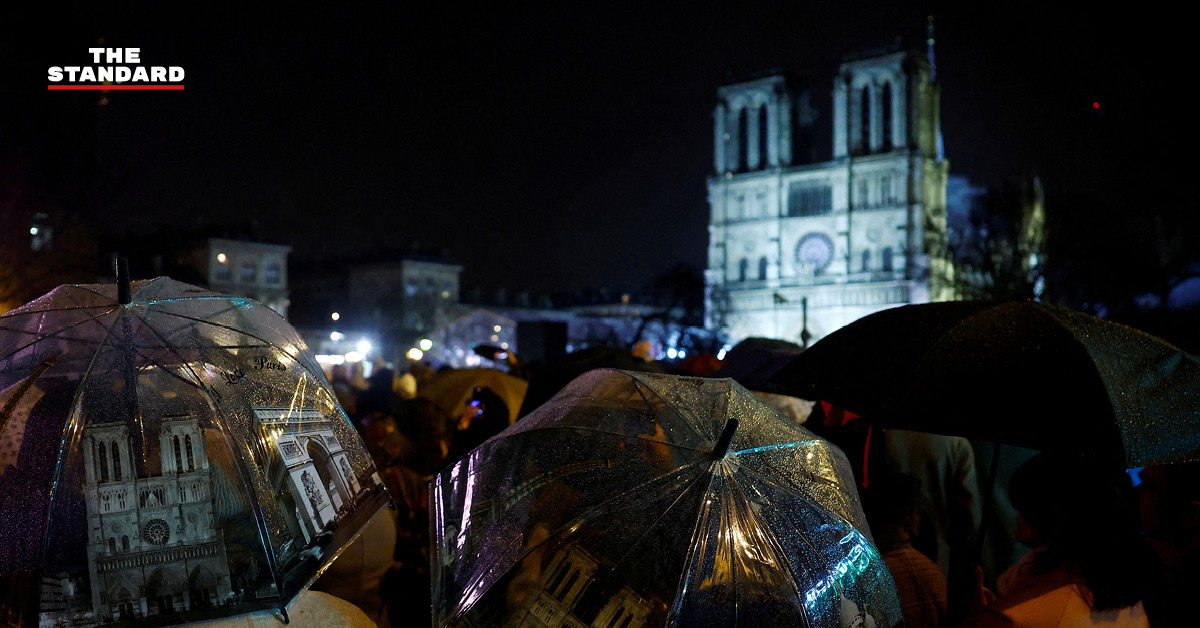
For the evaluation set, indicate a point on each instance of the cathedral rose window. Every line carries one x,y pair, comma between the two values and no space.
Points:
156,531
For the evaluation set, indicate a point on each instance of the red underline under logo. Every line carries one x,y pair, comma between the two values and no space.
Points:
101,86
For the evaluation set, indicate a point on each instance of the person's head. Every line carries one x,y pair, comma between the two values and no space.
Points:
381,379
1080,514
893,506
485,404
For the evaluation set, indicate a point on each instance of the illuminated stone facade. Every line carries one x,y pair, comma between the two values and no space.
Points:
847,237
154,546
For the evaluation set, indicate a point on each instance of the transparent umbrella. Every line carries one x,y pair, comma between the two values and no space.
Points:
175,457
639,499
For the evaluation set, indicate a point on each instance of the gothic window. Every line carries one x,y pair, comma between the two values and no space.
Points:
743,269
887,258
762,268
885,102
562,573
864,193
103,461
885,190
562,595
806,199
125,543
762,136
187,440
112,545
178,456
116,454
864,115
743,140
156,531
866,259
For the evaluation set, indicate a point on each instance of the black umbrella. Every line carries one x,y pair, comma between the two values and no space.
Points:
1024,373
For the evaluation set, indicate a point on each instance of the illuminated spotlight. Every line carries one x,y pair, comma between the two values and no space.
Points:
495,338
445,294
425,344
682,353
671,353
33,231
415,354
336,336
354,356
504,345
1095,105
363,347
497,328
721,353
502,355
331,359
221,258
335,316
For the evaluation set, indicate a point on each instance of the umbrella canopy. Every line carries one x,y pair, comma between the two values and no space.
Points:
175,458
616,504
452,390
1025,373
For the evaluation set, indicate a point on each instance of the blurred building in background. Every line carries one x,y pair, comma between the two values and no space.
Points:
803,240
243,268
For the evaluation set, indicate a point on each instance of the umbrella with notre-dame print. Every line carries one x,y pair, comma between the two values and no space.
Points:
169,454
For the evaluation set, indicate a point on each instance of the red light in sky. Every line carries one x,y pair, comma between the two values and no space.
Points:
1095,105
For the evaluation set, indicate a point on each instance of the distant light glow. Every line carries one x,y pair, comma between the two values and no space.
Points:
445,294
497,328
335,316
501,355
721,353
331,359
1095,105
33,231
336,336
425,344
495,337
672,353
363,346
354,356
415,354
221,258
504,345
682,353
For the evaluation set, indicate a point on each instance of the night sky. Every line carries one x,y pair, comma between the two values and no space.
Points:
556,145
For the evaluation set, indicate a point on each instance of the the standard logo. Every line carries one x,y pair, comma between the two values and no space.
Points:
122,69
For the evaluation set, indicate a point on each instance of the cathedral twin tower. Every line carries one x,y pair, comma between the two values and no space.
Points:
801,241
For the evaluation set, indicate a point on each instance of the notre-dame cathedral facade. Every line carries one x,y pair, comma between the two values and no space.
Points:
800,240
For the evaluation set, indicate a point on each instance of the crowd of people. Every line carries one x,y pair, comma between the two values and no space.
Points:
1067,541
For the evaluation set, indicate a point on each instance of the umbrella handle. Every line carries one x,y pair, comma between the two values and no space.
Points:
726,437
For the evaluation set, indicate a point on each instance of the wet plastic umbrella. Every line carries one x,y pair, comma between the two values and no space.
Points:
451,391
638,499
1024,373
169,454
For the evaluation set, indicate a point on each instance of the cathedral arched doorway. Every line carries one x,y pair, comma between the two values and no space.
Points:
123,604
161,593
202,588
327,471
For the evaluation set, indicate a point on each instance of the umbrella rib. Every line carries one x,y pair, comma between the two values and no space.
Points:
634,544
67,428
771,538
38,337
769,481
612,433
244,333
581,518
644,385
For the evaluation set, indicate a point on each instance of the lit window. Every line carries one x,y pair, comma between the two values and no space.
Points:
274,273
249,272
